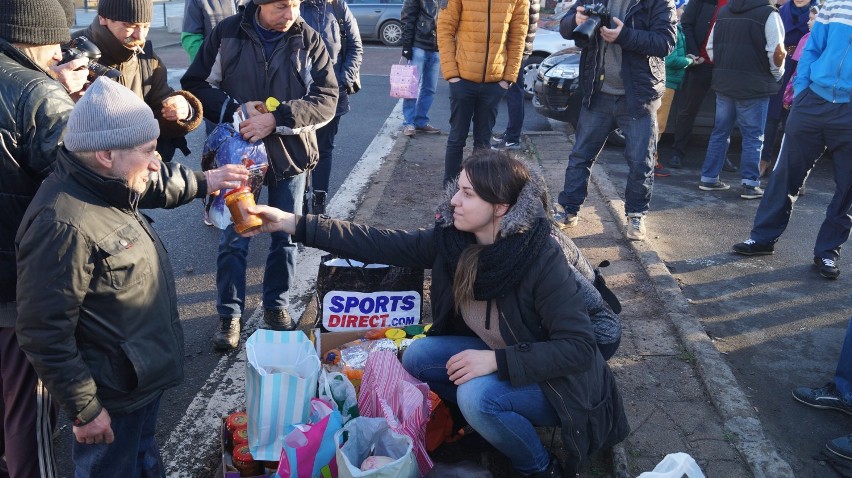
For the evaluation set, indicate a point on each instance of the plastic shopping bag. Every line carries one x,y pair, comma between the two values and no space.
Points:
675,465
225,145
344,284
364,437
404,81
388,391
281,378
309,449
339,391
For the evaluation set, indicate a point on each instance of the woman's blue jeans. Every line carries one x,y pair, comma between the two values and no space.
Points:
505,415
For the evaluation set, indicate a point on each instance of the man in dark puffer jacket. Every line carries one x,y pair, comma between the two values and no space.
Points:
32,119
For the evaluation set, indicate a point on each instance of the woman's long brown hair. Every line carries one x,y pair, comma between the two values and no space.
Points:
497,178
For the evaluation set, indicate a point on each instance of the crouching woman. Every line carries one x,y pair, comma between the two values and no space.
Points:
511,341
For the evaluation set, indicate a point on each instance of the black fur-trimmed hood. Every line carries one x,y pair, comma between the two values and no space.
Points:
530,204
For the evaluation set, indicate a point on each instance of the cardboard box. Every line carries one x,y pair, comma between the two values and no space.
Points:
331,340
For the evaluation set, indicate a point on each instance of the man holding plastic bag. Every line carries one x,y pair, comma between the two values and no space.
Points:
267,60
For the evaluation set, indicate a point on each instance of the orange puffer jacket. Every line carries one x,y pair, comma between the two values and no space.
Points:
483,40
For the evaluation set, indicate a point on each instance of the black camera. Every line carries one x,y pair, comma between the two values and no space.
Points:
598,16
82,47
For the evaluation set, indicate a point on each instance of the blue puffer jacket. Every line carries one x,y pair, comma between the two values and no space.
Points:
647,38
322,16
826,64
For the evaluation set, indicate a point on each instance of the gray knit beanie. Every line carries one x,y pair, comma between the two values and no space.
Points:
130,11
109,116
36,22
263,2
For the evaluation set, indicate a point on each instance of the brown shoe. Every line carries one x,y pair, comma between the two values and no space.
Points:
428,129
408,131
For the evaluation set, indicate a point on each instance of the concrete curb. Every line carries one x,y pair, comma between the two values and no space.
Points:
728,397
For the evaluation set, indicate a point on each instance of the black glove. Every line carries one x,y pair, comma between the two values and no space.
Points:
407,53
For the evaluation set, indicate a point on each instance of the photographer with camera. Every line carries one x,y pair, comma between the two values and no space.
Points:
37,95
624,44
120,32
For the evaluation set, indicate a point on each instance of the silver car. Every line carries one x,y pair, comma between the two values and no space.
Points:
378,20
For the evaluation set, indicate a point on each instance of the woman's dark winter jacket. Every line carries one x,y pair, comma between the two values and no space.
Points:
342,41
647,38
543,321
418,24
32,120
232,69
97,306
145,74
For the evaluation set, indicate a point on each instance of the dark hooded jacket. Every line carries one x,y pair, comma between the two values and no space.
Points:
232,68
647,38
32,120
145,74
98,315
549,337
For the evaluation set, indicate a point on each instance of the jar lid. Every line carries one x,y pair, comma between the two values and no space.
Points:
240,436
242,454
237,190
237,421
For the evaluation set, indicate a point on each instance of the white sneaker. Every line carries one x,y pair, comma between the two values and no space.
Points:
636,227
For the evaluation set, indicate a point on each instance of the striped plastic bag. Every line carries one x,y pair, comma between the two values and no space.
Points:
389,392
282,369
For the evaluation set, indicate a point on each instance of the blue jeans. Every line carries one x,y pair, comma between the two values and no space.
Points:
321,175
280,262
416,111
133,454
515,107
843,374
605,113
814,125
750,116
505,415
475,102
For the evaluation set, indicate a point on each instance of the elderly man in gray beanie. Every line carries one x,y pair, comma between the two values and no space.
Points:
36,95
97,307
120,31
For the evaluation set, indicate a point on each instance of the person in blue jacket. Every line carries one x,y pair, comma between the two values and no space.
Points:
820,120
339,31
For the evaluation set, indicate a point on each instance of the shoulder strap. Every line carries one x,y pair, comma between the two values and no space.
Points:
340,16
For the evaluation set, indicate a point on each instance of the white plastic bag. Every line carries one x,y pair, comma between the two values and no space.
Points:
675,465
364,436
338,390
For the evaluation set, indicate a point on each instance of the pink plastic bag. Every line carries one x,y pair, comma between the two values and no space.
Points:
309,449
404,81
388,391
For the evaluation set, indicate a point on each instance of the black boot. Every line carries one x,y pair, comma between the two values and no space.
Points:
319,201
227,337
553,470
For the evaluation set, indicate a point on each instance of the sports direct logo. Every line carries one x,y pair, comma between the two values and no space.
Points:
344,311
